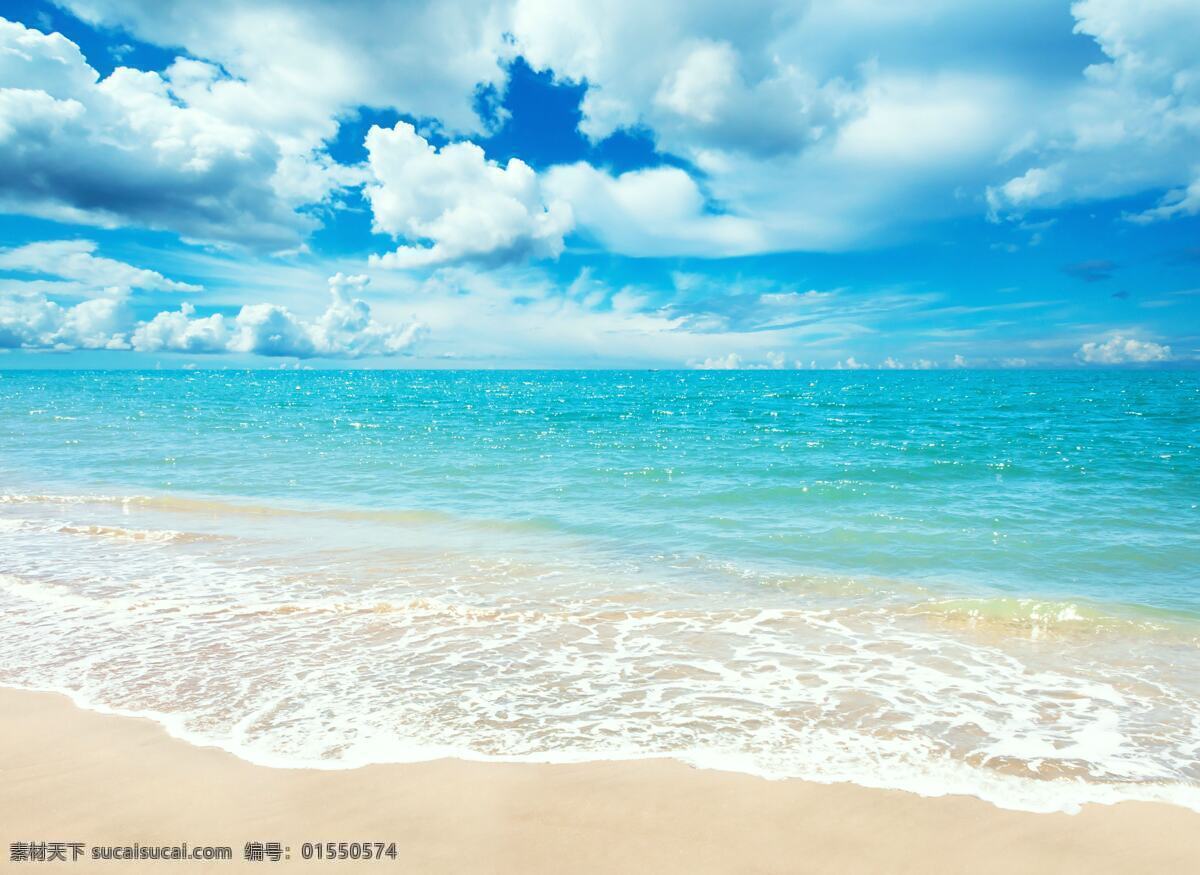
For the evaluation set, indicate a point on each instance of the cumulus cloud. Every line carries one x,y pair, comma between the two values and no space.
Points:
922,148
295,68
1119,350
229,142
76,260
804,126
346,329
649,212
1033,186
835,125
1130,125
773,361
151,159
802,142
467,207
33,322
892,364
729,362
182,331
699,75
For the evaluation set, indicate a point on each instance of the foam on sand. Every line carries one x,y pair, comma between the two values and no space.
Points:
290,649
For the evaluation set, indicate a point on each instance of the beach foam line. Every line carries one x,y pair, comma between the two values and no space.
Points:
823,752
932,779
50,593
212,506
1025,618
524,658
120,533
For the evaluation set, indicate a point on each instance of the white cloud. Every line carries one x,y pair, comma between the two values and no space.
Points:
1150,42
227,144
296,67
700,75
75,260
701,85
345,330
913,142
773,361
650,212
33,322
1131,124
524,316
837,125
893,364
468,207
1181,202
1033,186
822,126
730,362
1119,350
811,126
151,159
180,331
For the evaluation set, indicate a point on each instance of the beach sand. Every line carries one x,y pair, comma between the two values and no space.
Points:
72,775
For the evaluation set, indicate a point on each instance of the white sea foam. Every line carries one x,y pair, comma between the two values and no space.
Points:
152,536
289,652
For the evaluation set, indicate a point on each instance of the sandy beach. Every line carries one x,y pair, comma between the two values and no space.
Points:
70,775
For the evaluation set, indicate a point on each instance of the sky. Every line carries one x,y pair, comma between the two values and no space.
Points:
600,184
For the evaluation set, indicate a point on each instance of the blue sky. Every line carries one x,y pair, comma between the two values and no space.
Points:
518,183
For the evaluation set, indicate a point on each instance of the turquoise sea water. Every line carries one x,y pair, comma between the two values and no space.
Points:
983,582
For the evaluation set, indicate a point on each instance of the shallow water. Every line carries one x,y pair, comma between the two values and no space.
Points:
970,582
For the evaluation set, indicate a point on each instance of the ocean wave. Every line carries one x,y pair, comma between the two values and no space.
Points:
161,536
58,498
120,533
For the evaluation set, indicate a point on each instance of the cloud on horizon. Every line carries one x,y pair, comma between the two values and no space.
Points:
1119,350
345,330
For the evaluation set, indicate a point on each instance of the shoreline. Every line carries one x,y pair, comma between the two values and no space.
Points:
171,727
75,775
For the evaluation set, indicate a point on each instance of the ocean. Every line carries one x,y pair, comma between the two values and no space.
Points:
974,582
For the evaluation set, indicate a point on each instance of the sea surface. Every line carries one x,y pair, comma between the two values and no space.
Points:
957,582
